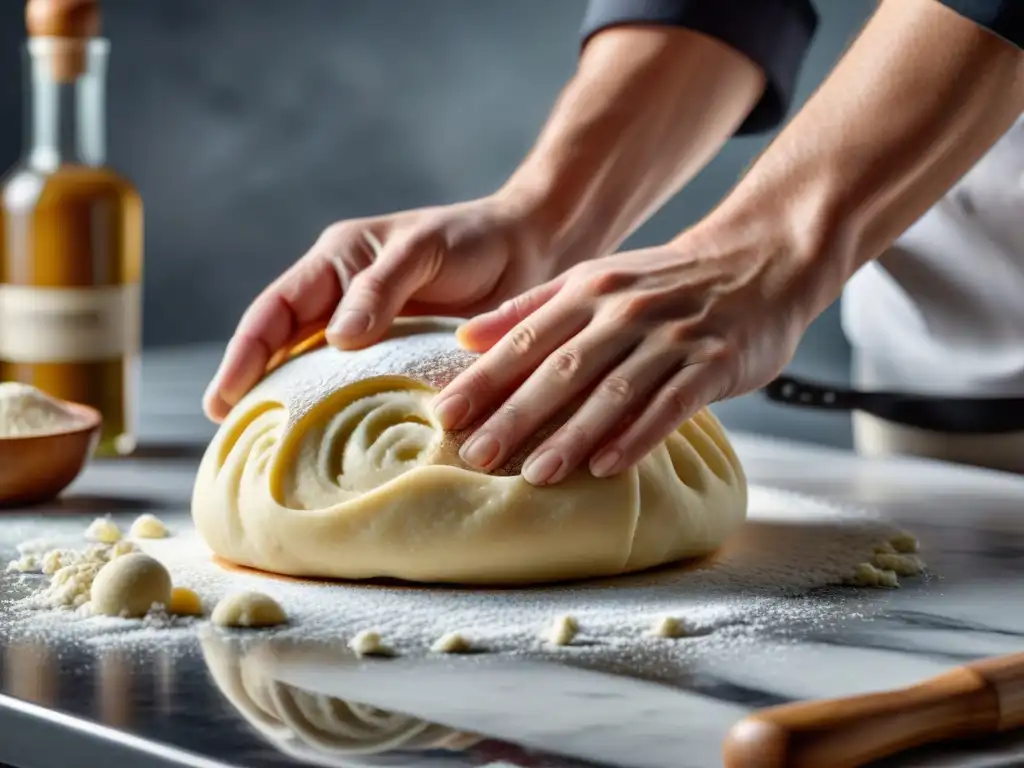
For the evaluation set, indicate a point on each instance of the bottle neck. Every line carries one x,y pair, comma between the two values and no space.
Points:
66,102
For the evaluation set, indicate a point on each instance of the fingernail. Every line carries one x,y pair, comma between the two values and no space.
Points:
606,464
543,469
452,411
351,322
480,451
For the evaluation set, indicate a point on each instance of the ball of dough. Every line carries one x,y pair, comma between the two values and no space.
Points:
248,609
185,602
130,586
148,526
334,466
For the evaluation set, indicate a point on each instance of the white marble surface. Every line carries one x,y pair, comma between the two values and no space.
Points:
970,522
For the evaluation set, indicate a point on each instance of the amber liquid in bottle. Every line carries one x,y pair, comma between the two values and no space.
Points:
71,250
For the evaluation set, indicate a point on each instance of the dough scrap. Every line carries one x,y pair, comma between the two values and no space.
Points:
668,627
452,642
368,643
103,530
185,602
334,466
130,586
148,526
562,630
250,610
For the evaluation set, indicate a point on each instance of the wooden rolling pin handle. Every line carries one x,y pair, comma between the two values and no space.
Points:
844,733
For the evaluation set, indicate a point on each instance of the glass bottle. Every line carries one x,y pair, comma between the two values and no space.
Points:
71,233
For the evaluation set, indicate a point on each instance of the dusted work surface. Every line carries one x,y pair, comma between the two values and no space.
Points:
163,702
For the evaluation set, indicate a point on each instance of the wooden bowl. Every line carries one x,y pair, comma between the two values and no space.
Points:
36,468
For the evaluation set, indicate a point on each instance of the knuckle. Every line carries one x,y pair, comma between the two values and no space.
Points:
509,413
340,233
566,363
678,402
522,339
616,389
603,282
631,309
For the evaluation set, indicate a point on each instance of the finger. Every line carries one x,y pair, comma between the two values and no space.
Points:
678,400
565,374
481,388
303,296
485,330
378,293
619,394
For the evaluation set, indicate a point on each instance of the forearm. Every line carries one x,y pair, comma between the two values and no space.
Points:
918,99
647,108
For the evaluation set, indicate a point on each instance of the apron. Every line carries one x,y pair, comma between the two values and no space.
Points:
942,312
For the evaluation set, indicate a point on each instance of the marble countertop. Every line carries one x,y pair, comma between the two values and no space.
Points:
178,705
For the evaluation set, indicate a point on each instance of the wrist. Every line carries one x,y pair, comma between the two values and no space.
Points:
804,248
562,212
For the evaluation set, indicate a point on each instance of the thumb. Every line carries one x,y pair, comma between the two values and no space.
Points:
377,295
484,331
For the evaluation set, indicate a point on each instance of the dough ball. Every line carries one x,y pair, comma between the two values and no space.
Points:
148,526
337,458
668,627
888,578
905,543
368,643
129,586
902,565
866,575
185,602
452,642
248,609
103,530
562,630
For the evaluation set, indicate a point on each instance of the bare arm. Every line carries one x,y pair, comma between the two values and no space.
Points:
918,99
648,107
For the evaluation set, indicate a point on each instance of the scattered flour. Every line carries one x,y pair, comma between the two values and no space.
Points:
25,411
756,585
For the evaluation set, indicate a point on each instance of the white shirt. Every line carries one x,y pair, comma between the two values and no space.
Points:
943,310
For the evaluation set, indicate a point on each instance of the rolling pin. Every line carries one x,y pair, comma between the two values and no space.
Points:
978,699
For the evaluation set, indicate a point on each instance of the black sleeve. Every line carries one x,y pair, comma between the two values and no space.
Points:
774,34
1003,17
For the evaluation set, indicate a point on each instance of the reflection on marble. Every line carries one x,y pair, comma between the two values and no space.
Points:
160,696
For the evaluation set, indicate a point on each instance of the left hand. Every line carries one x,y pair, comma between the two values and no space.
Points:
644,339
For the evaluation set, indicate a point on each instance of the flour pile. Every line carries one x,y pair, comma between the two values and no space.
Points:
790,545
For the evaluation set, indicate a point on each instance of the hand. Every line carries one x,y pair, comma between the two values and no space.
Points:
642,339
360,274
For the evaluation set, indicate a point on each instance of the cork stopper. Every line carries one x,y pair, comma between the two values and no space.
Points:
68,25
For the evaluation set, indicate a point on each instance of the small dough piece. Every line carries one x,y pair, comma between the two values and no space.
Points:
562,630
368,643
866,575
130,586
451,642
185,602
148,526
903,565
885,548
905,543
103,530
249,610
669,627
24,564
888,578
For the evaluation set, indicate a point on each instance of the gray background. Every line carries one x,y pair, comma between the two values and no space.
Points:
249,125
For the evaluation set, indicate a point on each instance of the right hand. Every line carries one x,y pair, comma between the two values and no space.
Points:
361,274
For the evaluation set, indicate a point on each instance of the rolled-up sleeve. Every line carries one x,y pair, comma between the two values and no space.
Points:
774,34
1003,17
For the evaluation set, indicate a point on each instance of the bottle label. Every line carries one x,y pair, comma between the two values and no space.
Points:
69,325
